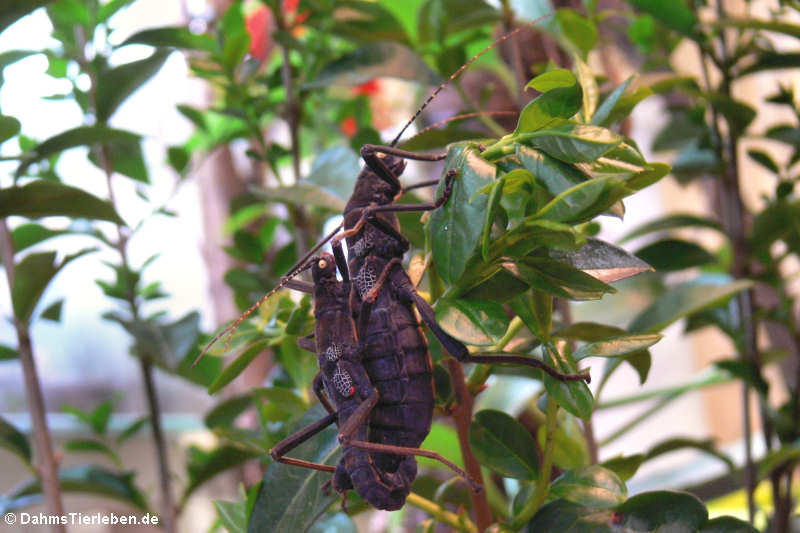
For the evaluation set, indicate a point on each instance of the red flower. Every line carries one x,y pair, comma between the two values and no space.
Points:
369,88
258,26
348,126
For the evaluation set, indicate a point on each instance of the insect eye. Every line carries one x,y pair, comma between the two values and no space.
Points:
322,263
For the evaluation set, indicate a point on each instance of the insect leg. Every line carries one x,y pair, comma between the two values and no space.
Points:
371,149
298,285
307,343
319,391
292,441
402,450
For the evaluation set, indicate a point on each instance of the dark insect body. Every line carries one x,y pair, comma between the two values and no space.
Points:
391,356
351,399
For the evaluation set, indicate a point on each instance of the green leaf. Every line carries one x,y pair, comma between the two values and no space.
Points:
575,143
7,353
552,107
765,160
604,111
668,255
335,170
535,308
33,274
9,126
53,311
681,301
552,79
573,396
602,260
110,8
475,322
675,15
303,194
437,19
202,465
13,10
47,198
15,441
557,279
27,235
225,412
503,445
768,60
591,91
165,344
592,486
669,222
132,429
126,157
237,366
366,22
588,332
380,59
115,85
624,466
91,446
616,347
680,443
172,36
92,479
232,516
290,498
80,136
580,31
455,229
787,454
569,445
727,524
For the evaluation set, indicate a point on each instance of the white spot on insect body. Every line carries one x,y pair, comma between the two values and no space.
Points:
333,352
365,280
343,383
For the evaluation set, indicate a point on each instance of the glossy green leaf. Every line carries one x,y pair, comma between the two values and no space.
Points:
616,347
132,429
430,139
535,308
53,311
552,107
115,85
166,344
27,235
475,322
46,198
237,366
569,444
669,222
591,91
95,480
573,396
668,255
552,79
172,36
769,60
91,446
557,279
591,486
33,275
602,260
588,332
9,127
681,301
455,229
675,14
442,439
583,201
764,159
787,454
126,157
503,445
15,441
290,498
574,143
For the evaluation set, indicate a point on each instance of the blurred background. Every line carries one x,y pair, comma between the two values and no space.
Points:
187,197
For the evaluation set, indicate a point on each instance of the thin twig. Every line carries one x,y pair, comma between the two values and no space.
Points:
47,466
441,514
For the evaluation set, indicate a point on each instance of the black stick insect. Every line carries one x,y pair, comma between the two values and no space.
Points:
357,405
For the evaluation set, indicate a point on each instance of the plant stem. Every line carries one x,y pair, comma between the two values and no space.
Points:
47,466
441,514
539,495
462,416
481,372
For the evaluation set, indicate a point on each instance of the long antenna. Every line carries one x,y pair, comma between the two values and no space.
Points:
464,116
230,330
464,67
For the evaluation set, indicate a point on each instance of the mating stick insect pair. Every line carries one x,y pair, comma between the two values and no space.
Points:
375,366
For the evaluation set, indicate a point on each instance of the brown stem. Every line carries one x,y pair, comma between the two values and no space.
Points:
462,416
516,54
47,465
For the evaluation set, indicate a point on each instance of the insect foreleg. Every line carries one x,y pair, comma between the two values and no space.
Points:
292,441
319,391
369,151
